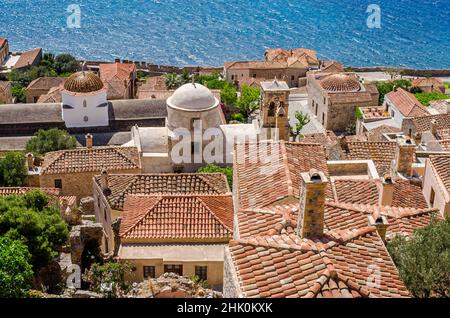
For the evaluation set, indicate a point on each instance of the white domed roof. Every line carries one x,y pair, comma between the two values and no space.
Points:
193,97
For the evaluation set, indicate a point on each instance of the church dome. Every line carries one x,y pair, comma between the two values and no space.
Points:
341,83
83,82
193,97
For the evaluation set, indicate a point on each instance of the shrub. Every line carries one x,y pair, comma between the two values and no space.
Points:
109,278
50,140
33,220
423,261
426,98
15,270
13,171
211,168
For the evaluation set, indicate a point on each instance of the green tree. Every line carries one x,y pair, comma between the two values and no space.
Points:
65,63
109,278
34,219
12,169
15,270
18,92
388,86
228,95
423,261
426,98
50,140
248,101
303,119
172,80
212,168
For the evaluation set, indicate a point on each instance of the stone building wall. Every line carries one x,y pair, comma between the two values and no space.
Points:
230,283
76,184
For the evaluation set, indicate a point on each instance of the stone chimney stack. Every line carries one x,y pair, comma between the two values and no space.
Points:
433,127
387,191
104,182
406,152
381,223
312,204
30,161
89,141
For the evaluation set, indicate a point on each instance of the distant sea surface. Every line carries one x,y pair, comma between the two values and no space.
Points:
413,33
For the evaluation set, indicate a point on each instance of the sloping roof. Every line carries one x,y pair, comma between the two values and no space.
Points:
27,58
288,266
45,83
441,167
427,82
4,85
332,66
376,134
382,153
423,123
30,113
53,96
262,180
406,193
406,103
91,160
200,184
2,41
4,191
177,217
120,71
274,85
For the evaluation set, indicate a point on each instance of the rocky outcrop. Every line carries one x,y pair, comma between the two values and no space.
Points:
171,285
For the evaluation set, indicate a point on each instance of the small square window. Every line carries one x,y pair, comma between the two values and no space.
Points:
149,271
58,183
201,272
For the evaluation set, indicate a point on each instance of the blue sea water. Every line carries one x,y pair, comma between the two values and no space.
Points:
413,33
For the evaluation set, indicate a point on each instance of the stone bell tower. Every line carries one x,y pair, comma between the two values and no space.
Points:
275,107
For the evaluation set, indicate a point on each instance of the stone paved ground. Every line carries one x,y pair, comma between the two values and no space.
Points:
299,102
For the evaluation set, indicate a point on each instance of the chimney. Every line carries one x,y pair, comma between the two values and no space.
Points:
381,223
312,204
104,183
89,141
116,60
433,127
405,156
387,191
30,161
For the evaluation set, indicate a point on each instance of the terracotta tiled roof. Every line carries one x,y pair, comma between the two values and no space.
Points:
53,96
177,217
120,71
443,134
83,83
4,191
341,82
406,193
262,181
382,153
423,123
441,167
407,103
332,67
2,41
288,266
427,82
45,83
201,184
27,58
91,160
376,134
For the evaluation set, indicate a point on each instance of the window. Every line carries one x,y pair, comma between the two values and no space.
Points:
201,272
105,215
410,132
432,196
86,118
323,118
177,269
292,77
149,271
324,100
254,75
271,111
232,77
84,103
317,109
392,113
58,183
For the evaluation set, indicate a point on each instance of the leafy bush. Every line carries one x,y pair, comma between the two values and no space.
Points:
228,94
248,101
19,93
65,63
12,169
50,140
426,98
15,270
386,87
199,282
238,117
31,219
212,168
109,278
423,261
